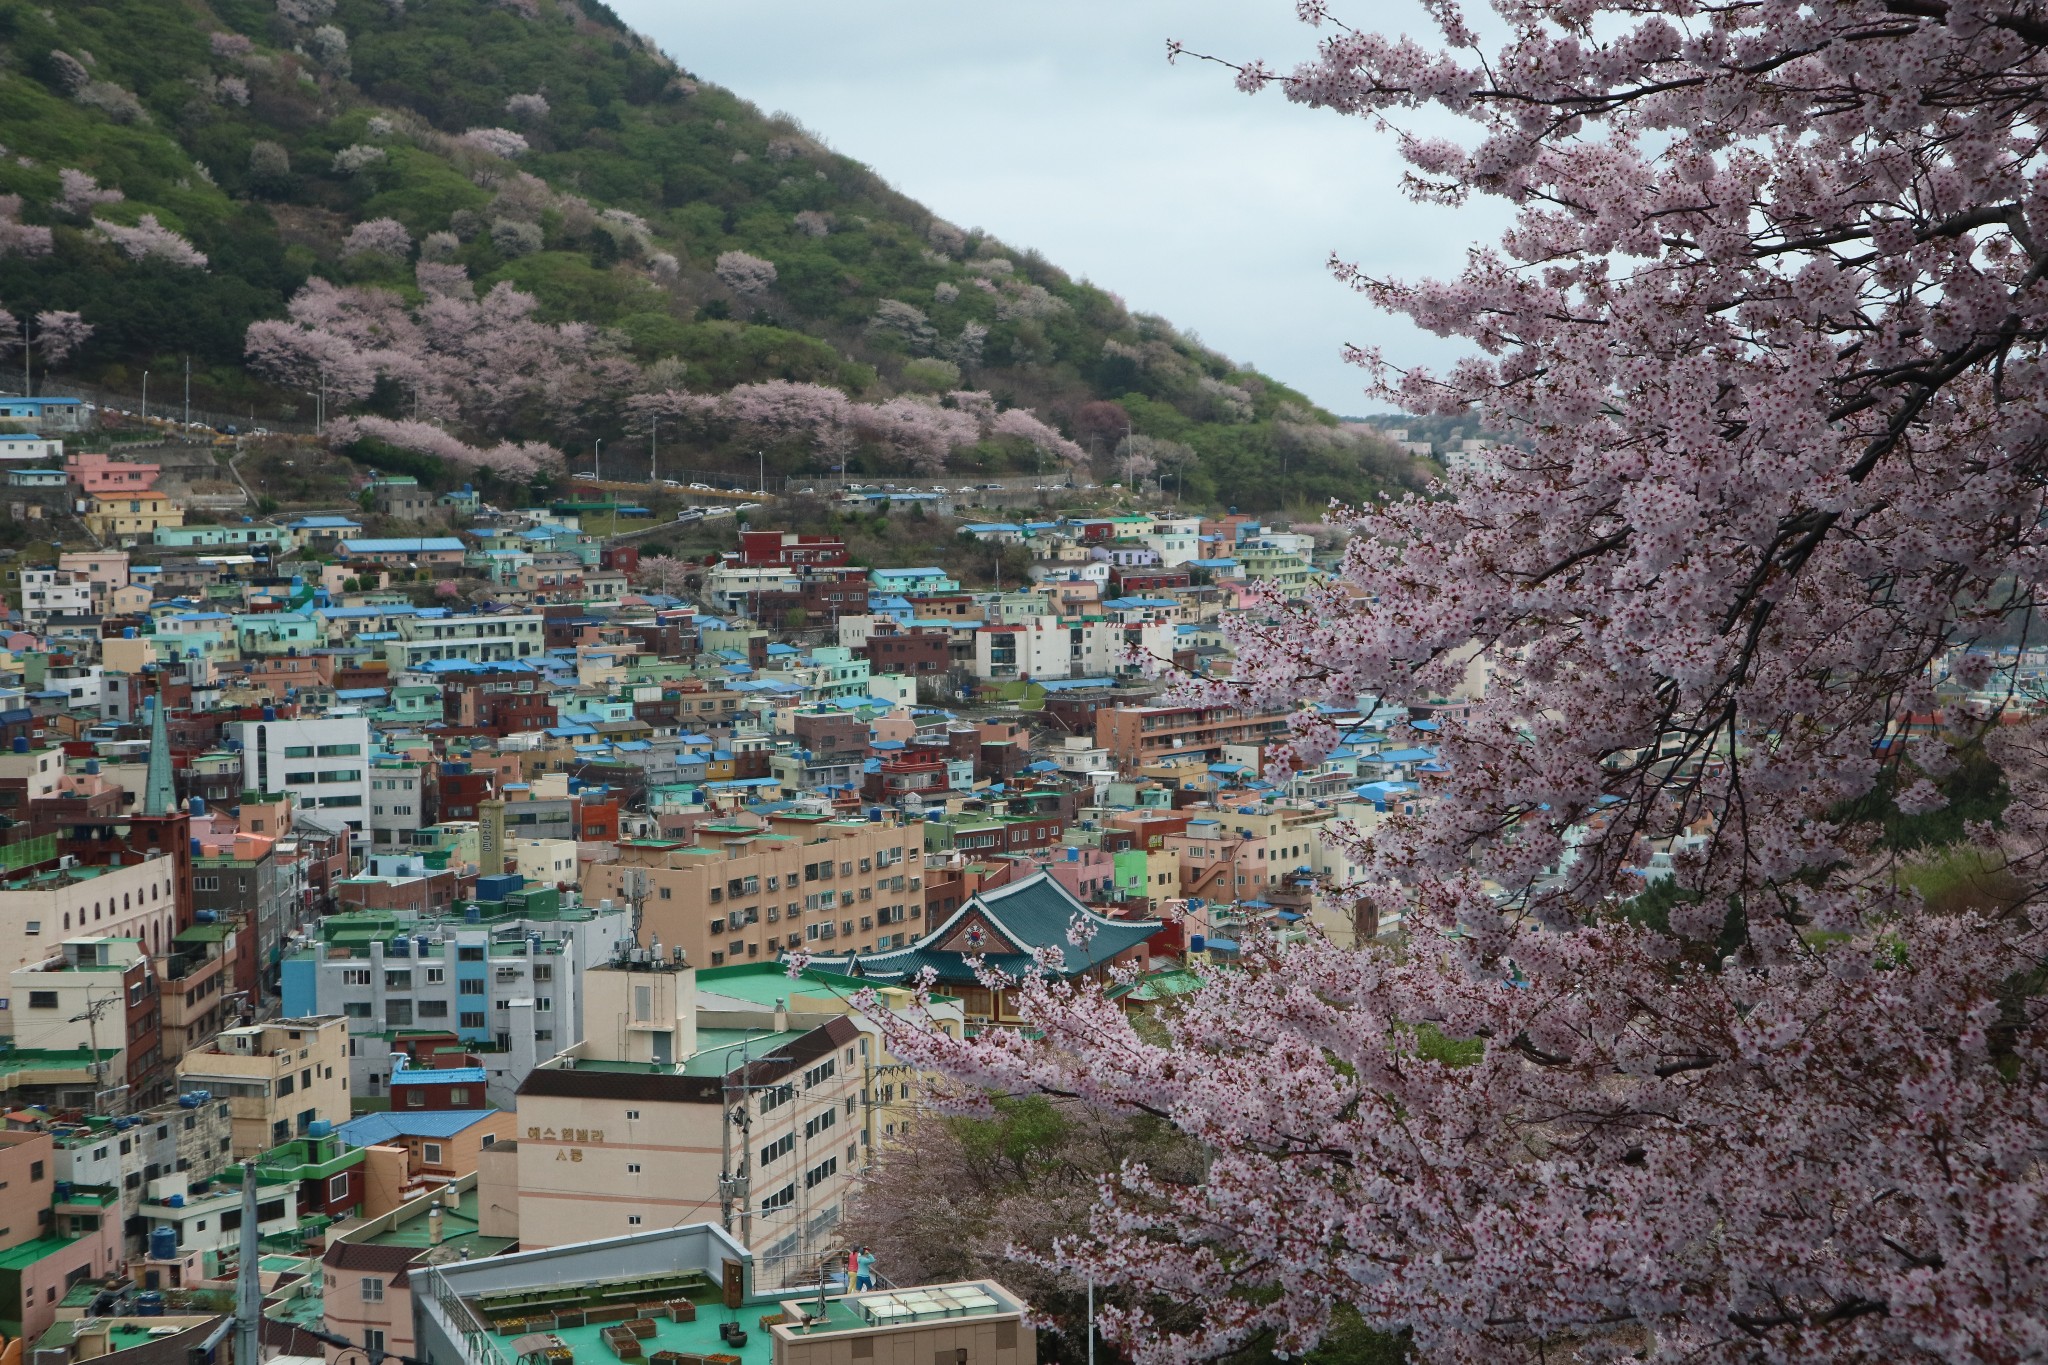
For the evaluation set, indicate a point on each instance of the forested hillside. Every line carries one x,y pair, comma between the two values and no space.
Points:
495,231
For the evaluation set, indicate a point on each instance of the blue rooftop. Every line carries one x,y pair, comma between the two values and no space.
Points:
371,1129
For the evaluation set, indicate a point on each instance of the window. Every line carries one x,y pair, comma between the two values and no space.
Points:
633,1220
373,1341
632,1113
398,981
469,952
337,1187
632,1168
42,1000
824,1071
355,976
778,1149
821,1172
415,1099
436,975
471,987
819,1124
430,1152
470,1019
782,1198
35,926
543,972
430,1009
543,1004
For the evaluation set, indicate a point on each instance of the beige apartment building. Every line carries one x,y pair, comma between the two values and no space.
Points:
277,1078
748,892
653,1122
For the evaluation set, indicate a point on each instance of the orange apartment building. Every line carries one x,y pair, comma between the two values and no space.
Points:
744,892
1141,736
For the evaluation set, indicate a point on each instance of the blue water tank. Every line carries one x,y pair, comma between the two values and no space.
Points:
473,913
199,805
319,1128
63,1191
163,1244
1197,943
875,814
20,744
1073,855
189,1101
400,947
420,943
176,1201
150,1303
195,848
270,713
127,632
207,916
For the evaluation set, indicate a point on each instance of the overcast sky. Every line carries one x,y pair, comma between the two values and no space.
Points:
1058,124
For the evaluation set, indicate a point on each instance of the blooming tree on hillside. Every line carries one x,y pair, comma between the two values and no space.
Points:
496,141
482,365
150,240
663,574
378,237
60,334
18,238
748,276
78,193
1768,329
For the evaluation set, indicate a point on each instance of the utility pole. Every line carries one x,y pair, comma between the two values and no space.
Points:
28,387
761,471
248,1279
654,453
145,395
188,388
91,1019
597,457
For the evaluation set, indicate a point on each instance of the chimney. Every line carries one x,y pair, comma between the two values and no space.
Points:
433,1225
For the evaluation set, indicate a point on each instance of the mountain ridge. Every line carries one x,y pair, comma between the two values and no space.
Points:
540,144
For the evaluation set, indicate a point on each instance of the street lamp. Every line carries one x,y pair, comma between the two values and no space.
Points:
145,395
597,457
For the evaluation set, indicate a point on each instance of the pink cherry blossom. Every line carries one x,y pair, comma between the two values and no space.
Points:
59,335
747,276
496,141
150,240
378,237
79,193
1766,333
18,238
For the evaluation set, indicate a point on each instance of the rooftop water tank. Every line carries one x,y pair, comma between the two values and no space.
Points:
20,744
199,805
319,1128
270,713
1198,943
163,1244
207,916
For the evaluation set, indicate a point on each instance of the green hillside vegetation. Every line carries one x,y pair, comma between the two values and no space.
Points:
873,293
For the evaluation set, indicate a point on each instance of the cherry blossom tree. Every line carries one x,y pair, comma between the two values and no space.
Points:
518,461
60,335
150,240
748,276
233,46
378,237
1767,329
663,574
528,108
358,157
919,433
78,193
496,142
18,238
1026,426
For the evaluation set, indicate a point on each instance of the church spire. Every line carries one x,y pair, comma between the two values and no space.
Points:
159,792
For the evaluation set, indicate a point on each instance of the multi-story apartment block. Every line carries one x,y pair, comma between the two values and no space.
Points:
1138,736
278,1078
135,900
743,892
323,761
191,1138
428,636
651,1122
398,795
508,985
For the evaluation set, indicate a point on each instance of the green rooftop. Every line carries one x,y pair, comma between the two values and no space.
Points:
28,1253
458,1230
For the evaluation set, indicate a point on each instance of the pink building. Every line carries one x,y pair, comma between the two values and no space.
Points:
49,1244
95,474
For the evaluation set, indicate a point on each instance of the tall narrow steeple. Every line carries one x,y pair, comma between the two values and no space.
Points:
159,791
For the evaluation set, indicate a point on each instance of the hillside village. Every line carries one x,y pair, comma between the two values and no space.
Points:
464,922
